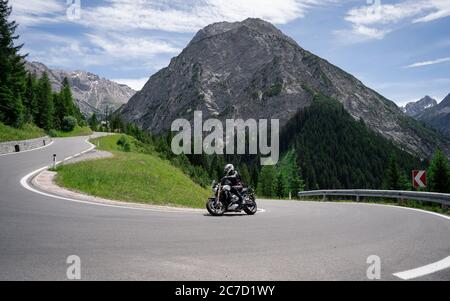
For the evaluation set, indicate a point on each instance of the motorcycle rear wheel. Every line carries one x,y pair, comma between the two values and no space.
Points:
252,208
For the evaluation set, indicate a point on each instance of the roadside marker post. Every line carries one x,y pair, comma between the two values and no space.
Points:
54,161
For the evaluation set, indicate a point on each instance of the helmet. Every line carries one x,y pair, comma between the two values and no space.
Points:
228,168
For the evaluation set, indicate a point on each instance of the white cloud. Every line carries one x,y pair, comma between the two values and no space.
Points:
191,15
126,46
99,49
428,63
370,32
442,10
28,13
134,83
376,20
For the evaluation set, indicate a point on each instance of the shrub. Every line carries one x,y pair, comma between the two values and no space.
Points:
52,133
68,123
83,123
124,143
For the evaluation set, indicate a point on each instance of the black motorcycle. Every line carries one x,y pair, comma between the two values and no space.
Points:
224,200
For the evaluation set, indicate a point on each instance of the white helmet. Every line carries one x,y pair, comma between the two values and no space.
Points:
228,168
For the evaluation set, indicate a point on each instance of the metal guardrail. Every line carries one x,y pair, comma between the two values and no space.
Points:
440,198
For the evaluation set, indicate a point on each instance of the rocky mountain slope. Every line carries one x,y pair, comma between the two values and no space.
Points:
250,69
91,92
438,116
417,107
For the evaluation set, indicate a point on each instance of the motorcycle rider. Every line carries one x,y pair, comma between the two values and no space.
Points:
235,179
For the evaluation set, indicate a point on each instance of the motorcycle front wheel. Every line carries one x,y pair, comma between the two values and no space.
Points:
215,208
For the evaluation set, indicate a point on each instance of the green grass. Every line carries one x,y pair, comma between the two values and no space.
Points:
28,131
135,176
77,131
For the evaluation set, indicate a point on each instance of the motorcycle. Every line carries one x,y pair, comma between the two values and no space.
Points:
224,200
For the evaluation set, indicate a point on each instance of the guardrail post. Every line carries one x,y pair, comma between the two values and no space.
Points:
357,198
324,198
444,207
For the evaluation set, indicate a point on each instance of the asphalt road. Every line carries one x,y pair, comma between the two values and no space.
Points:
289,241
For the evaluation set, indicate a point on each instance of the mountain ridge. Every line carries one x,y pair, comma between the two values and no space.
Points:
92,93
438,116
250,69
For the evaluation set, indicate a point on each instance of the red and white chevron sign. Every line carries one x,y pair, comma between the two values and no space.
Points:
419,178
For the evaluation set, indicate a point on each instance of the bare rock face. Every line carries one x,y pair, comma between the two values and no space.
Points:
438,116
417,107
91,92
250,69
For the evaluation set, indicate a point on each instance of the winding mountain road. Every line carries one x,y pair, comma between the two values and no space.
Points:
289,241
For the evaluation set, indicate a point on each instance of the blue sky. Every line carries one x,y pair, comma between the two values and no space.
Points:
398,48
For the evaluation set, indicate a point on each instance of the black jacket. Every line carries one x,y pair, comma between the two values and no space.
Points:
234,177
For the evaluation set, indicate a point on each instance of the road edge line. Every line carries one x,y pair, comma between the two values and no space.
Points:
424,270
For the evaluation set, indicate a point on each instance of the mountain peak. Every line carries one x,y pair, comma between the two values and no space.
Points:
445,101
255,24
417,107
438,116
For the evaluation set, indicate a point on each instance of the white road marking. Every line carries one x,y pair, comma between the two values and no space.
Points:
425,270
26,151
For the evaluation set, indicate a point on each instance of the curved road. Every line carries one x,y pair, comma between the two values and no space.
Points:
290,241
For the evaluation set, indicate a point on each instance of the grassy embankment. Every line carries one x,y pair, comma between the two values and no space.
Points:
77,131
28,131
138,175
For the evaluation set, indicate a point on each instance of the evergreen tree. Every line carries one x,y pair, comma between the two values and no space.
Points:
438,173
59,111
245,174
266,181
12,75
66,105
29,99
279,186
254,174
296,182
118,125
93,122
45,100
11,108
395,180
66,99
